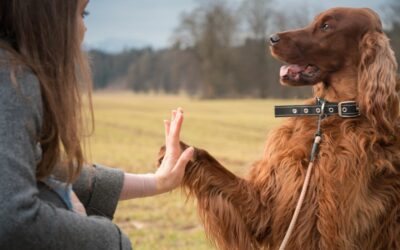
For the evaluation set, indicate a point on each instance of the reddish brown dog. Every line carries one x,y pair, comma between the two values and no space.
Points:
353,201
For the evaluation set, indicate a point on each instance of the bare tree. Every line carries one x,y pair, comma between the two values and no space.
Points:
257,14
210,29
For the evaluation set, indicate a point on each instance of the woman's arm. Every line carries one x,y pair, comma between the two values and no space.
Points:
98,188
25,220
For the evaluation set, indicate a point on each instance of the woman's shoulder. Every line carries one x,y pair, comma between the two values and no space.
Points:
19,86
18,80
17,75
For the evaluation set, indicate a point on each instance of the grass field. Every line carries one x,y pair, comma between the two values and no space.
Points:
129,131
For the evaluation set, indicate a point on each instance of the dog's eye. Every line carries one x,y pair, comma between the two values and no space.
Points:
325,26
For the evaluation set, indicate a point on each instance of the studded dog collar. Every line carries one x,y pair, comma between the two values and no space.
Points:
346,109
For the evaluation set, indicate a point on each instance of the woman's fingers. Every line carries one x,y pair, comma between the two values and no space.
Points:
174,130
173,115
176,125
172,174
183,160
167,128
167,125
172,168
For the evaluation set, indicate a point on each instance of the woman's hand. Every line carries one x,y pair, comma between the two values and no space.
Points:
170,173
77,205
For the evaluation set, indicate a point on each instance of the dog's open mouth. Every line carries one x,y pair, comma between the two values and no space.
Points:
294,74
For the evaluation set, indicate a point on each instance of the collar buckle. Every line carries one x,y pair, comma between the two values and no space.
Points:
343,109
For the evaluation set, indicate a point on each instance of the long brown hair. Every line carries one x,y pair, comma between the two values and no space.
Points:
44,36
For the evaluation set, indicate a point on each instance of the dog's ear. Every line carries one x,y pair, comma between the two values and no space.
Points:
378,83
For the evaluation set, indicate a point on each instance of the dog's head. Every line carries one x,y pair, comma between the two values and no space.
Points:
345,49
331,42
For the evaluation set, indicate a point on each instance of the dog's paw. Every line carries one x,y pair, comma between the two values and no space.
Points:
161,153
160,156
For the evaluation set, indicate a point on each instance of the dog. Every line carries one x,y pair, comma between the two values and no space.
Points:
353,198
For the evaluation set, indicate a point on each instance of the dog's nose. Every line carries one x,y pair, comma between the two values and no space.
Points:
274,39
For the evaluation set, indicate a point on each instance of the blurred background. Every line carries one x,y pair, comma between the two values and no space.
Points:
209,57
204,48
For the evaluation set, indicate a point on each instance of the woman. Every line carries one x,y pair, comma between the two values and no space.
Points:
41,73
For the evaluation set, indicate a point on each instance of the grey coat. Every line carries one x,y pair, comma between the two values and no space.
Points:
31,215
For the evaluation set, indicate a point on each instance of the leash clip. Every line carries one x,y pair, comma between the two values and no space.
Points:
322,102
318,133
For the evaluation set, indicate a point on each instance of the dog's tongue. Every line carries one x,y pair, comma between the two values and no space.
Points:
291,70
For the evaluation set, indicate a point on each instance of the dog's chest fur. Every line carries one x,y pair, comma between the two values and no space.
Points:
352,196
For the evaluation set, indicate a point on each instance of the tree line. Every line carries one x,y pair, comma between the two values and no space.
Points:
219,51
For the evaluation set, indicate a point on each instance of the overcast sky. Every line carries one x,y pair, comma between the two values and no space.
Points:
119,24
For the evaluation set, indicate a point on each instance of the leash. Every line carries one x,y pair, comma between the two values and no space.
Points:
322,109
